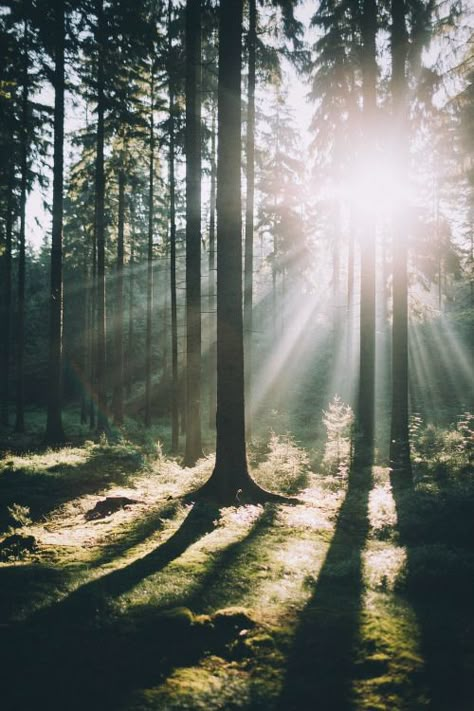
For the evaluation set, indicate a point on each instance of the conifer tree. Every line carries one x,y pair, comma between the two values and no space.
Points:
54,426
193,232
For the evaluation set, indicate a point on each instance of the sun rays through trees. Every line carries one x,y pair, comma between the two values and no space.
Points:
236,336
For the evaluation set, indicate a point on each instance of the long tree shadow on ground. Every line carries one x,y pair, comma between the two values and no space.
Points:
214,589
73,656
320,667
437,530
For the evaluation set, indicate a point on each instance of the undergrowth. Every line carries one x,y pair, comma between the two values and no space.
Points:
354,596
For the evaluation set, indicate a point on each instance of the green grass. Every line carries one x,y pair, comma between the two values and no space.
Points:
355,598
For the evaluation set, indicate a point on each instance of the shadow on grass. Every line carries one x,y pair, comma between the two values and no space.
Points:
218,588
27,586
45,491
137,532
75,656
320,665
437,530
95,596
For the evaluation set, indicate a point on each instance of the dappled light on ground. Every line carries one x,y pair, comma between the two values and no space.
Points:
243,607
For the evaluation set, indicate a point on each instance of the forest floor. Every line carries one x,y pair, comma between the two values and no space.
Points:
358,597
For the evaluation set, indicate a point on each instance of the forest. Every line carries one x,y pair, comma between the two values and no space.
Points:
236,355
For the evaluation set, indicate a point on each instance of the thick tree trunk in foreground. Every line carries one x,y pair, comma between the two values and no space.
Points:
399,435
230,481
193,232
249,210
366,398
54,425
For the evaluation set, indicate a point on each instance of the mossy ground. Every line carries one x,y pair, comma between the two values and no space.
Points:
355,598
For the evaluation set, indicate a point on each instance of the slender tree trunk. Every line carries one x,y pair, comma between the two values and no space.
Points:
7,300
149,286
101,356
131,306
349,375
399,436
172,197
92,331
366,399
20,321
212,281
249,209
85,346
193,232
119,367
54,425
350,269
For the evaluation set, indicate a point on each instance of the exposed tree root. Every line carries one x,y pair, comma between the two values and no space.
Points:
229,493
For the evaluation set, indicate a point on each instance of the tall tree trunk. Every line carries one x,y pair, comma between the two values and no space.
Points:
7,300
20,320
54,425
92,330
399,436
350,269
101,356
193,232
85,345
366,397
149,282
230,481
119,368
131,304
172,197
212,281
249,209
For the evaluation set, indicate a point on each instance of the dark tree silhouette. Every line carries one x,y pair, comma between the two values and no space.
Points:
249,204
172,220
193,232
230,481
20,317
100,343
399,437
54,426
366,397
149,283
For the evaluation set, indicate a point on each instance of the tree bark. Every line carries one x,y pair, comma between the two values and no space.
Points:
54,425
366,398
149,287
131,305
212,281
20,322
193,232
249,209
119,353
92,330
101,356
399,435
172,198
7,300
230,482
